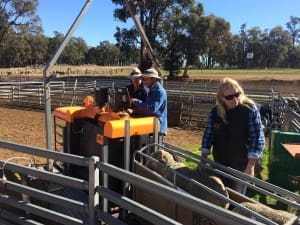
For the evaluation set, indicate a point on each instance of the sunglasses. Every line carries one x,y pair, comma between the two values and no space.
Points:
230,97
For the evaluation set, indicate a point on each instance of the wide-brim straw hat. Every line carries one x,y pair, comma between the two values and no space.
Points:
135,73
151,73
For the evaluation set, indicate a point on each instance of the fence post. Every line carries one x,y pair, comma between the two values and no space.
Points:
62,102
40,96
93,188
74,93
12,95
18,95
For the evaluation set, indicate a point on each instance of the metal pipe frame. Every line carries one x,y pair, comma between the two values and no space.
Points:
40,211
44,196
61,180
202,186
186,200
236,175
137,208
46,75
59,156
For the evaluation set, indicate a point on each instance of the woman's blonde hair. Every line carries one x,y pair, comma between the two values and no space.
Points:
225,84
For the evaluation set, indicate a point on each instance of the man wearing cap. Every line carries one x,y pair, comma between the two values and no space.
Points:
156,101
136,88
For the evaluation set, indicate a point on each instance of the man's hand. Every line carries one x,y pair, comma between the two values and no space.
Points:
130,111
131,101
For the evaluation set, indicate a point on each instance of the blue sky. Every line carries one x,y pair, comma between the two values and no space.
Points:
99,24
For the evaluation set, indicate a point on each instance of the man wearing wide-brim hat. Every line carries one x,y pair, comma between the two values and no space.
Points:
156,101
136,88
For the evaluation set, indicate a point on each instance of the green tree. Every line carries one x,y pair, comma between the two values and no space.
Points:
265,42
16,15
217,39
195,31
17,20
254,46
18,52
172,42
293,27
105,54
128,43
109,54
152,16
280,41
53,45
75,52
39,47
241,47
232,50
91,56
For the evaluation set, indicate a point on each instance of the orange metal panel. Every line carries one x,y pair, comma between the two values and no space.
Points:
114,124
67,113
138,126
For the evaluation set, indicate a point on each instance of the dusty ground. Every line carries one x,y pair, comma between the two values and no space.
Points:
28,127
21,127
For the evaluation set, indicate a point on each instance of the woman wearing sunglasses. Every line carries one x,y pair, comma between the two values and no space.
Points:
234,131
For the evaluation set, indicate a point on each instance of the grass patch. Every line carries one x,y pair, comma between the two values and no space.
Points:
189,163
192,164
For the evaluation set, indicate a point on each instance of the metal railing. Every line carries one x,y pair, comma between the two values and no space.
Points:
31,94
191,102
143,157
44,198
55,202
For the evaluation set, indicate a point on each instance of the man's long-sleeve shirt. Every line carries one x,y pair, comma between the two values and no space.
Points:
154,105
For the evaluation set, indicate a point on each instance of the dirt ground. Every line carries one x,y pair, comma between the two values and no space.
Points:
28,127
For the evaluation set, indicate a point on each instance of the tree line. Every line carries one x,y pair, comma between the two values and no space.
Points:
180,35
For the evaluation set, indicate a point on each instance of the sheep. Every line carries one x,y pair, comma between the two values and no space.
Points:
213,182
278,216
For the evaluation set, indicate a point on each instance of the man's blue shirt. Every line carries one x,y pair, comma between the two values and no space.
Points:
155,105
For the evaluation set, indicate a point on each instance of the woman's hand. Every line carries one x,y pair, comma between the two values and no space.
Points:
250,167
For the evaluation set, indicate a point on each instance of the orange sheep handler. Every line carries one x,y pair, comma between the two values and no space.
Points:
114,122
104,130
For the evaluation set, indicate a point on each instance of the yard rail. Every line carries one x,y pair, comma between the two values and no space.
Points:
182,181
64,199
189,102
